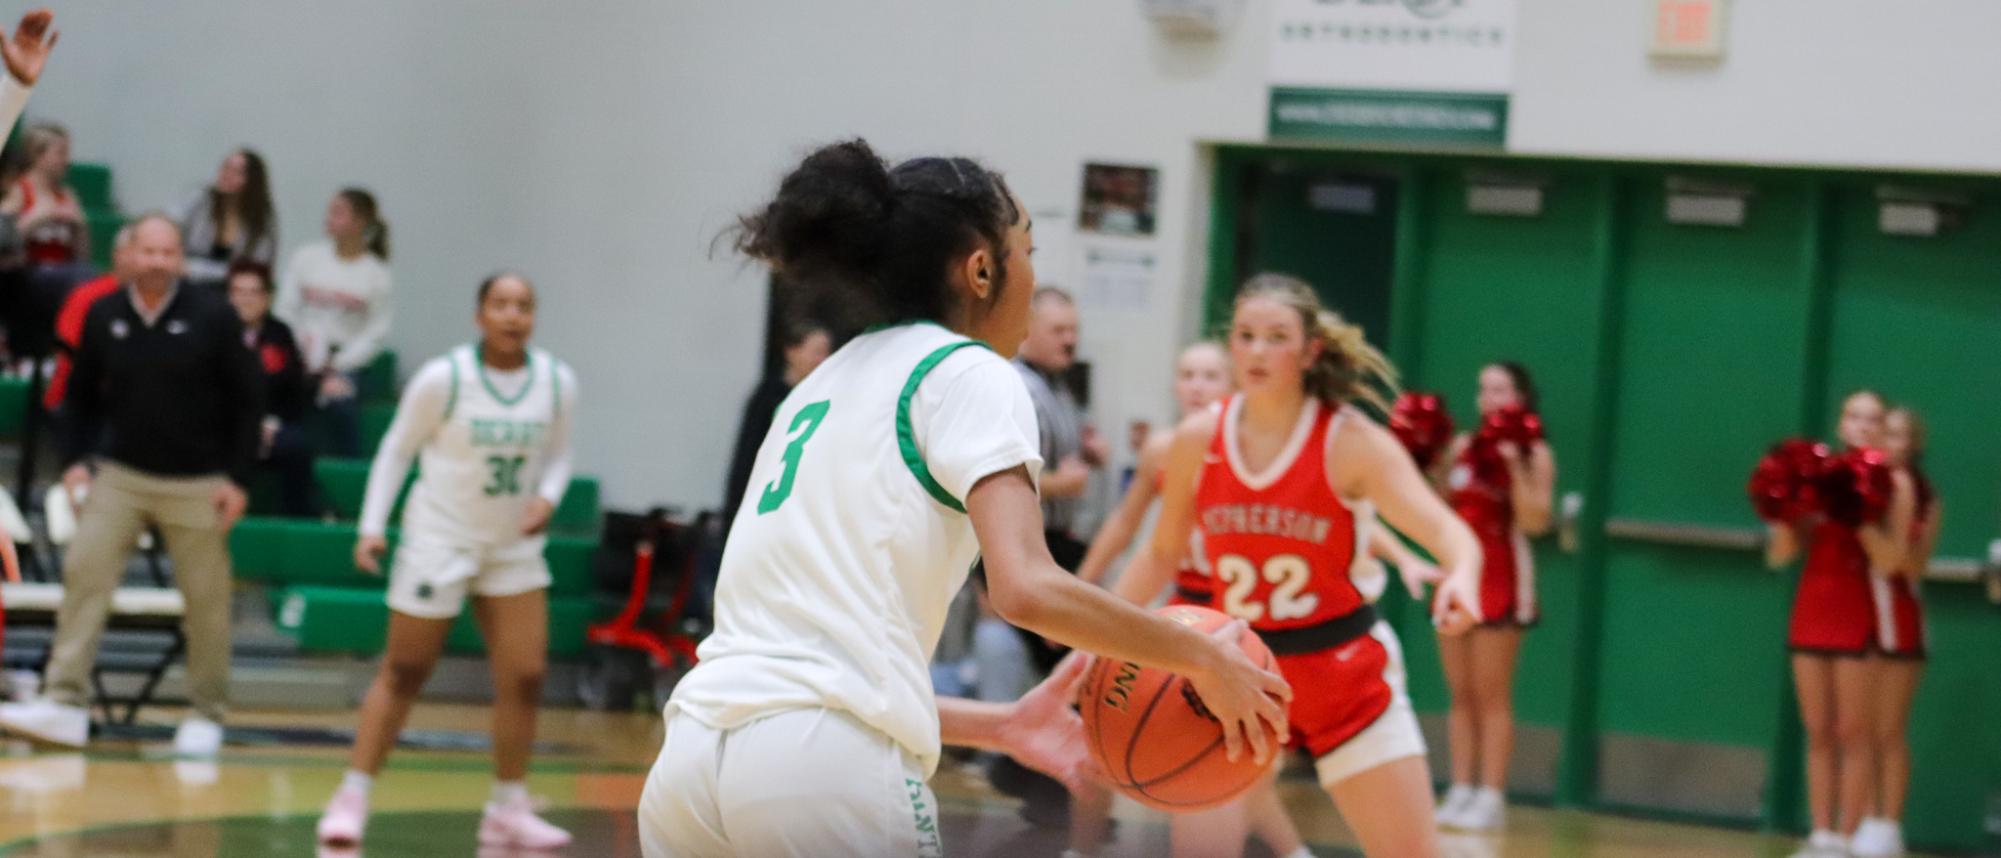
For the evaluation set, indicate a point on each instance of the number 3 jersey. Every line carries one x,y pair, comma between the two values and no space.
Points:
487,442
853,536
1284,546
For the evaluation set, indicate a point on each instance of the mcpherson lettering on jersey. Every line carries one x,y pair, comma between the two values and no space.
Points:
501,432
1267,520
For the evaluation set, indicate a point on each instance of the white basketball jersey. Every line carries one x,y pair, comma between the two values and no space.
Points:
852,539
478,473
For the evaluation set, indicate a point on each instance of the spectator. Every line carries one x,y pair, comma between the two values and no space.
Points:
24,53
76,307
165,404
230,220
1004,654
335,294
284,446
50,221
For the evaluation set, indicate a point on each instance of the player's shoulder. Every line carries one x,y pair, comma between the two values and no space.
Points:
1357,429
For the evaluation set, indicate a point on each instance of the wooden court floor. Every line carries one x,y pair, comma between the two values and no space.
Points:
130,798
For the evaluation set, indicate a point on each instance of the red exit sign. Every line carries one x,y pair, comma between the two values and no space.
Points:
1688,29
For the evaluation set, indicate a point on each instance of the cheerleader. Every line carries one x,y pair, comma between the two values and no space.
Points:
1201,379
1502,489
1900,640
1832,632
1285,481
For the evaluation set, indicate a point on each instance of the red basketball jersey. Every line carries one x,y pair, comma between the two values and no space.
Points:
1192,583
1282,545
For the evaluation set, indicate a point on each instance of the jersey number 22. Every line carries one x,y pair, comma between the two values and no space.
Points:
1288,571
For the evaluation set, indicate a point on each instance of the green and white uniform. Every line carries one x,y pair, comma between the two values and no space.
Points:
841,565
486,442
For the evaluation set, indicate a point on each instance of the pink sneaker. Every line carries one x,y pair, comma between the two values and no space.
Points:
515,824
345,817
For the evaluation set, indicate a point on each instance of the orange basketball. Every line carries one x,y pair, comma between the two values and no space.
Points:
1151,735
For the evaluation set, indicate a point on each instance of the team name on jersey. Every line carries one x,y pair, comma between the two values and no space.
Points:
1267,520
492,432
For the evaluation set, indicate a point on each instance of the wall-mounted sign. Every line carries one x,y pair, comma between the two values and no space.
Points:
1688,29
1434,71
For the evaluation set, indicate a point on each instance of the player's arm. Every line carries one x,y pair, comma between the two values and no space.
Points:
1384,473
1040,729
1028,589
1532,487
1415,571
419,415
1117,532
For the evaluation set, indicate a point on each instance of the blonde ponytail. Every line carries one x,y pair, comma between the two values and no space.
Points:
1349,367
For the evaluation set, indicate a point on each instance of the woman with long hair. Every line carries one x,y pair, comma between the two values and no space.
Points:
230,220
1285,482
336,294
1832,632
1504,506
1900,640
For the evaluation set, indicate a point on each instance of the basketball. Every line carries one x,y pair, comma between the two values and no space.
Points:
1153,738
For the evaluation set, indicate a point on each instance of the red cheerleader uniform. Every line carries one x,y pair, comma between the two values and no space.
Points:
1834,611
1284,548
1507,580
1900,613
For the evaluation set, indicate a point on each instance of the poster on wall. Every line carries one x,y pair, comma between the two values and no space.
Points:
1118,200
1410,71
1118,278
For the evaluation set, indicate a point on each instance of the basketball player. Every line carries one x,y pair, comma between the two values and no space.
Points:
1285,482
809,727
1832,631
1900,640
489,424
1480,667
1201,379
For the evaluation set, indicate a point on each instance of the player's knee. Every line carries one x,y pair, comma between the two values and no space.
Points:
405,676
522,685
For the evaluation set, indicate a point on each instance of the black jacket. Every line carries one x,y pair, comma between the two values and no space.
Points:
180,397
287,395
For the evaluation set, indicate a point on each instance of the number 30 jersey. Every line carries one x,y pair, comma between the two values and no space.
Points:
1284,546
488,454
853,536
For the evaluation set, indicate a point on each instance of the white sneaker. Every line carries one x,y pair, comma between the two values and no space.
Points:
346,817
514,824
1454,804
197,737
47,721
1823,843
1486,811
1877,838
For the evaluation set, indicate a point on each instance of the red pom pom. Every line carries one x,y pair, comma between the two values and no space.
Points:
1514,424
1784,485
1420,421
1855,487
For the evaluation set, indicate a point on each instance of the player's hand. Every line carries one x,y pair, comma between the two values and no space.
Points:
1042,732
26,51
1456,608
76,484
368,552
1249,700
535,519
1417,574
229,500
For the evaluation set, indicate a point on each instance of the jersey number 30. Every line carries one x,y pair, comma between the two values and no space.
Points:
1289,572
505,478
779,489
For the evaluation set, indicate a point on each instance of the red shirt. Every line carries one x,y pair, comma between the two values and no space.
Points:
1282,544
69,331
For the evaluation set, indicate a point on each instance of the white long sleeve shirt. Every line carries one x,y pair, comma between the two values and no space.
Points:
338,308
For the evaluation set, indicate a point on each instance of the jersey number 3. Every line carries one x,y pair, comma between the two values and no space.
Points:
1288,572
779,489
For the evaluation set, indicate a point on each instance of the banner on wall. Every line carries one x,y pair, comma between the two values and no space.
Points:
1416,71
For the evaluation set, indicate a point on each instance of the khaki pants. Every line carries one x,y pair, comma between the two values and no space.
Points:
121,504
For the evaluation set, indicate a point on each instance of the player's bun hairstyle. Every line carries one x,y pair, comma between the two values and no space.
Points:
1348,368
866,243
486,286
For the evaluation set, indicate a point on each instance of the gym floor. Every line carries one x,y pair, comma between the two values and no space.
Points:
128,797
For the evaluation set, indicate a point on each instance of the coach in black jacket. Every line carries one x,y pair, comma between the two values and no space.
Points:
167,405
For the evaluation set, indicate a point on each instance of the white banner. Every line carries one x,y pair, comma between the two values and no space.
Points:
1401,45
